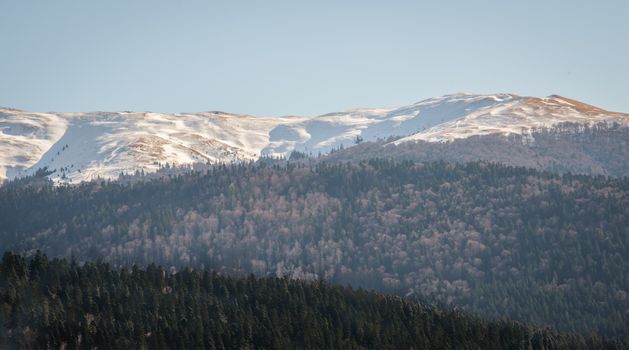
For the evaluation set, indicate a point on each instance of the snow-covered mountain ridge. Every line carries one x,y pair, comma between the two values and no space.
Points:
85,146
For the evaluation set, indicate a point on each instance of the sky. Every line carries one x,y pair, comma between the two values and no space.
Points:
273,58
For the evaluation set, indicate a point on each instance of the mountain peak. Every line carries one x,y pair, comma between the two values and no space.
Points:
506,114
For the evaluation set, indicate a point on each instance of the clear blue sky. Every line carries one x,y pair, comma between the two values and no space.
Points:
306,57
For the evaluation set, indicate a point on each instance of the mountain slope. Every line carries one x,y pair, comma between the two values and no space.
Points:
85,146
599,149
495,240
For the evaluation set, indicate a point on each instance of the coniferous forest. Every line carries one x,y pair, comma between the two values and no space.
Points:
497,241
59,304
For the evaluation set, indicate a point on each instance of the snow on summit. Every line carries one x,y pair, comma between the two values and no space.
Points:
515,115
86,146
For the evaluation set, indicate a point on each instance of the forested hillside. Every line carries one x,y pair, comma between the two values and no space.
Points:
57,304
499,241
600,149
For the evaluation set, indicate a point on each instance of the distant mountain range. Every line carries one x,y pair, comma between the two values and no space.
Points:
83,146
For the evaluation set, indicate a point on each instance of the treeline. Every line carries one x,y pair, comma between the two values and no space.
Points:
599,149
59,304
496,240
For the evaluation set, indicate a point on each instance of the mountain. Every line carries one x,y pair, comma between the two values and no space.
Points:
85,146
513,115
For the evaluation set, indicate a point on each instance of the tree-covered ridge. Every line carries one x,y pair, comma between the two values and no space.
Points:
497,240
55,304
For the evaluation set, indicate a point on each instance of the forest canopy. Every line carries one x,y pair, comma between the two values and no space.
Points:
59,304
496,240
